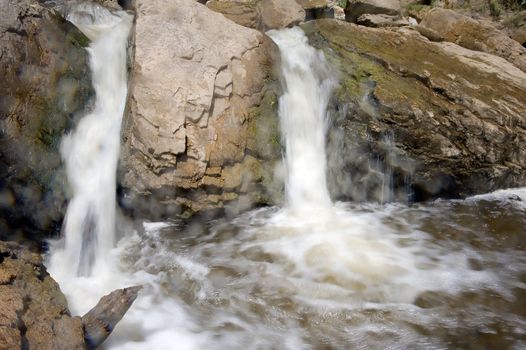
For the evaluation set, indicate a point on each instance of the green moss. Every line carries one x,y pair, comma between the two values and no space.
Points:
263,128
495,8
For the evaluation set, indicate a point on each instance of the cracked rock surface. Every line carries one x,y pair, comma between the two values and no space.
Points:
201,133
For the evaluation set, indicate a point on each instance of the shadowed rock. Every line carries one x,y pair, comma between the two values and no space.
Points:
100,321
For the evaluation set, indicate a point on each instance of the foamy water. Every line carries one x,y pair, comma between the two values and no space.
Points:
361,276
318,275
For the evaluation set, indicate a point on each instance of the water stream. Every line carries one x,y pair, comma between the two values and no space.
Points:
316,274
91,151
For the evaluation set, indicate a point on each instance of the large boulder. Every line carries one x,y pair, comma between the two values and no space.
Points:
260,14
415,119
45,87
474,35
202,130
356,8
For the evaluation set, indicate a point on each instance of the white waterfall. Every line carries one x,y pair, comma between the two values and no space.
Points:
91,151
307,86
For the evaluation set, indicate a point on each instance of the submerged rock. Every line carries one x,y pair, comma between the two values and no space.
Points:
260,14
202,129
45,87
420,118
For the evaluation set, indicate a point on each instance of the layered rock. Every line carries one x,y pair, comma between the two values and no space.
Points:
474,35
430,119
356,8
201,132
260,14
44,88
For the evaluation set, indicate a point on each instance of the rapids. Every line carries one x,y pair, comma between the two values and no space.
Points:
313,274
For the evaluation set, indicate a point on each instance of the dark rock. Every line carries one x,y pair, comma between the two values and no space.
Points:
45,87
100,321
419,118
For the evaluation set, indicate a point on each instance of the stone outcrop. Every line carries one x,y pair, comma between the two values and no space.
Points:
33,311
474,35
260,14
201,133
431,119
44,88
356,8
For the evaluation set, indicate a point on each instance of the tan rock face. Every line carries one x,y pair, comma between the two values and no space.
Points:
439,119
33,311
260,14
198,83
474,35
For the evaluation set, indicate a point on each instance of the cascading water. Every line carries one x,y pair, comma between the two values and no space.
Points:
316,275
91,152
307,83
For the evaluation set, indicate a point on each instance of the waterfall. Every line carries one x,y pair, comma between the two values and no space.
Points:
307,83
91,151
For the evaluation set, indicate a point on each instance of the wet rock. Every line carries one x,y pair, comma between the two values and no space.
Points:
474,35
100,321
356,8
33,311
260,14
44,89
415,119
202,102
